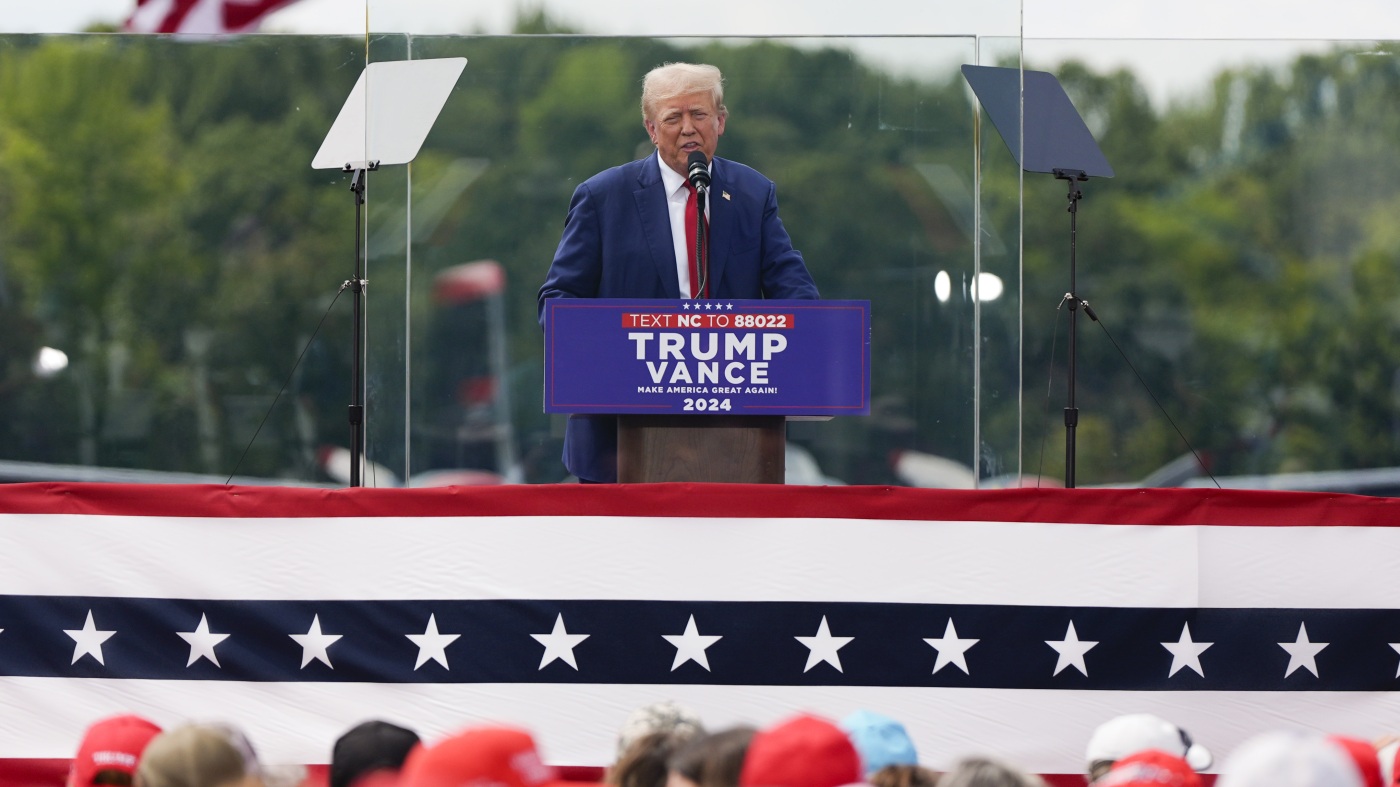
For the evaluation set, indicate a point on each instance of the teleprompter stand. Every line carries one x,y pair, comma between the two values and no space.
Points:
384,121
1056,142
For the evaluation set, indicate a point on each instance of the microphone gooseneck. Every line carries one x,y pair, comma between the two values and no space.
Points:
697,167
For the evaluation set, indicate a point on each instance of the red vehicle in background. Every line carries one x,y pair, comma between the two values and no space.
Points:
462,428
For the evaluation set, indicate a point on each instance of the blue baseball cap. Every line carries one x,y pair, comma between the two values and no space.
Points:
880,740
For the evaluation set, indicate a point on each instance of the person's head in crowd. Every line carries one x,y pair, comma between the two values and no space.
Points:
199,755
1289,759
904,776
1150,768
805,751
1363,756
110,751
646,762
495,756
887,754
880,741
987,772
1123,735
711,760
369,747
649,737
662,716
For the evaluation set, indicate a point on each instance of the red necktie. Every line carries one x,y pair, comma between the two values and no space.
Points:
692,217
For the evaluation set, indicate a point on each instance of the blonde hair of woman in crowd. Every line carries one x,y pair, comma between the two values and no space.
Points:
199,755
988,772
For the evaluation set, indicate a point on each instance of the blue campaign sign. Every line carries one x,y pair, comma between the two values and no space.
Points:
742,357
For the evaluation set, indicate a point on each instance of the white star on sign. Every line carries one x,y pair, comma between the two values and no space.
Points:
1186,653
823,647
951,650
314,644
432,644
202,642
685,306
1302,653
1071,651
559,644
87,641
729,307
691,645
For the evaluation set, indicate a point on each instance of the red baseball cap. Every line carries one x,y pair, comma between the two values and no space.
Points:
1150,768
480,757
1364,756
802,752
113,744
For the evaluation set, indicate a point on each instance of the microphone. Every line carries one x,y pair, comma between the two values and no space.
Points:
698,171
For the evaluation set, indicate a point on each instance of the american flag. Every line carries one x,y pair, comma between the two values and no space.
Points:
1011,622
201,17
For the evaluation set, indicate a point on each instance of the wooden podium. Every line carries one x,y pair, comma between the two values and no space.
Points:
702,390
725,449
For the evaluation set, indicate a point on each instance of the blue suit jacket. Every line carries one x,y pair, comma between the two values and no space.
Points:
617,244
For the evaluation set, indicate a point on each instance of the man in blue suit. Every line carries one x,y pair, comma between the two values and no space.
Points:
625,233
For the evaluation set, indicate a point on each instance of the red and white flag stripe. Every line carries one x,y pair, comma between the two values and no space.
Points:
201,17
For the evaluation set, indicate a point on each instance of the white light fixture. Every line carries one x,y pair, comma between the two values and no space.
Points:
942,286
49,362
987,287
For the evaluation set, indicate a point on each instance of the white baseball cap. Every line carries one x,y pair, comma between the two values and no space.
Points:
1289,759
1135,732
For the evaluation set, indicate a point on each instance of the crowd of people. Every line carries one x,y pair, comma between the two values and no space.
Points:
667,745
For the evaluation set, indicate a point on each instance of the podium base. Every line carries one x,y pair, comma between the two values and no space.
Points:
725,449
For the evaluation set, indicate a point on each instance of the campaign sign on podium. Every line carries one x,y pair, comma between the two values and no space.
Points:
725,357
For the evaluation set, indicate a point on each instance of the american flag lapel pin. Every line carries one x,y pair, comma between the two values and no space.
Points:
724,194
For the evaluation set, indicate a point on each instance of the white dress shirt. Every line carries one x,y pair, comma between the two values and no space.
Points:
676,195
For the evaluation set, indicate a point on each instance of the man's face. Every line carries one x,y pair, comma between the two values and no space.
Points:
684,124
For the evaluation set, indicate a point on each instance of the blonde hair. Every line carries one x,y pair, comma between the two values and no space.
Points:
195,756
679,79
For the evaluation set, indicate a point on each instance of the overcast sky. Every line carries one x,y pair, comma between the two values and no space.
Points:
1344,19
1224,32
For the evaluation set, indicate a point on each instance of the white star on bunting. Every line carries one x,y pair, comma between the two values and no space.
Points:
559,644
691,645
823,647
1071,650
87,641
1186,653
1302,653
202,642
951,649
432,644
314,644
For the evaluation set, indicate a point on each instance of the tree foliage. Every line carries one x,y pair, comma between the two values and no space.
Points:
159,221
